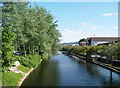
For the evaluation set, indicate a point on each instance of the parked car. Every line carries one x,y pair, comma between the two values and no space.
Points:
18,53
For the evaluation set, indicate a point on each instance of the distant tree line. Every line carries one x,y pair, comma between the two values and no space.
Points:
109,51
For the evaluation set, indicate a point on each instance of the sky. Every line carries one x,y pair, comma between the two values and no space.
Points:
77,20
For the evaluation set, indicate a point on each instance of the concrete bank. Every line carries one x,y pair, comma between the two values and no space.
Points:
26,75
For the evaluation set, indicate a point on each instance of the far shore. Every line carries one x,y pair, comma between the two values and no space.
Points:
112,68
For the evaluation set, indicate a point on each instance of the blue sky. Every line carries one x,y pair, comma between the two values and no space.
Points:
78,20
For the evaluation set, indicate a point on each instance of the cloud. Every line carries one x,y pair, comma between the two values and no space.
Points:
84,24
115,27
110,14
95,27
69,35
107,14
89,26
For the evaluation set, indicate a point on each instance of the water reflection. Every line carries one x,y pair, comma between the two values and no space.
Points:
62,70
45,74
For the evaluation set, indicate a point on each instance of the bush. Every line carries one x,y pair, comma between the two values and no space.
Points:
5,69
34,59
108,51
25,61
30,61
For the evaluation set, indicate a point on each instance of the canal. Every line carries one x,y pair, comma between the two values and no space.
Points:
62,70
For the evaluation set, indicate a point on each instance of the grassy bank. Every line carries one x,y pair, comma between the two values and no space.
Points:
23,68
27,64
10,78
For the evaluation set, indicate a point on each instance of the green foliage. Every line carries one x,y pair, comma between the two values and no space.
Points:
7,33
10,79
26,62
67,48
112,49
23,68
5,69
34,59
7,48
118,51
82,40
28,30
30,61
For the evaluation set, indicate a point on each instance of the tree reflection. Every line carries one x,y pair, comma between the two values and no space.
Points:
46,74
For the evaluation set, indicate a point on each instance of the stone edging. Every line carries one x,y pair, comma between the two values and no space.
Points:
26,75
100,64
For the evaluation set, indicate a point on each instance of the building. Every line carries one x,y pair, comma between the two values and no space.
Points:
100,40
82,43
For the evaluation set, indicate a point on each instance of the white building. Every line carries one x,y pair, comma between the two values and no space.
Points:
99,40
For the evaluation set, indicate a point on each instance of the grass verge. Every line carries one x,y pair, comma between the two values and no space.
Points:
10,78
26,64
23,68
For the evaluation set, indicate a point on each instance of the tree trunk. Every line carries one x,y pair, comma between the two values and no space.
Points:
39,50
24,51
33,50
29,49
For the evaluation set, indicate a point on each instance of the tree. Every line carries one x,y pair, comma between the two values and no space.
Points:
7,32
82,40
28,30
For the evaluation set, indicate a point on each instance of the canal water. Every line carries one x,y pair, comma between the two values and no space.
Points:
62,70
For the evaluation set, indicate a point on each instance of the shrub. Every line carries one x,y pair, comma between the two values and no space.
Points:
30,61
25,61
34,59
108,51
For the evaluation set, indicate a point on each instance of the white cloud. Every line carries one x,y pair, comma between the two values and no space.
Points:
84,24
115,27
89,26
69,35
110,14
95,27
107,14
